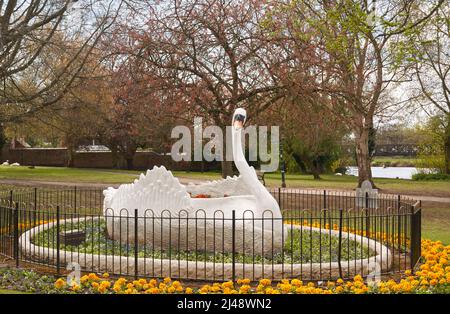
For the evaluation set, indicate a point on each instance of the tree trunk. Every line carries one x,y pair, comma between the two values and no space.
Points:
363,158
227,168
129,161
115,158
2,140
70,156
315,170
447,148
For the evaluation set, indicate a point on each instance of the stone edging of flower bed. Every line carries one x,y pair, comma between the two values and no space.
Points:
183,269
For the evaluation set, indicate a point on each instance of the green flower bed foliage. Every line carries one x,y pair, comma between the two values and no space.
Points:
431,176
26,280
300,247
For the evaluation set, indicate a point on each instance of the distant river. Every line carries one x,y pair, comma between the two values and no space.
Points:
388,172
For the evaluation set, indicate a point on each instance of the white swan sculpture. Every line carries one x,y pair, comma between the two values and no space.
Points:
176,220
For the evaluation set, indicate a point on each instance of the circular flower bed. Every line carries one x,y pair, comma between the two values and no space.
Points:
300,247
432,276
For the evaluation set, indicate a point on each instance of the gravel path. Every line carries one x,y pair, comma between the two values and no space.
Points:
186,181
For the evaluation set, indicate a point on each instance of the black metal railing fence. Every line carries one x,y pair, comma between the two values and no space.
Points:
327,235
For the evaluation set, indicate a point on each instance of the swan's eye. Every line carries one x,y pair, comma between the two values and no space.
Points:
239,117
238,121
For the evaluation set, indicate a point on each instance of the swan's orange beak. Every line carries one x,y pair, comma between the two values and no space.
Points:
238,120
238,124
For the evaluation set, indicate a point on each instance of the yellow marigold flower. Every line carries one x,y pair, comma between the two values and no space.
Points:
171,290
340,281
358,278
142,281
228,284
167,280
311,284
106,284
179,289
95,285
265,282
93,276
60,283
425,267
286,288
296,282
75,288
188,291
245,281
433,282
215,289
101,289
105,275
130,285
84,279
244,289
176,284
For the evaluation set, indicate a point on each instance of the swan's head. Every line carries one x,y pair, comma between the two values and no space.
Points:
239,118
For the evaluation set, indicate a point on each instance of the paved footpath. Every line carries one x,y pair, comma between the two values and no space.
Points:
196,181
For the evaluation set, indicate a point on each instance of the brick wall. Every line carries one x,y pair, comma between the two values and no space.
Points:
58,157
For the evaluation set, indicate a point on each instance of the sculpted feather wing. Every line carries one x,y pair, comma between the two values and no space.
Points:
157,190
218,188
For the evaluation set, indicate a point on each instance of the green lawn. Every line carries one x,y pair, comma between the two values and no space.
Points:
5,291
436,222
394,161
62,174
328,181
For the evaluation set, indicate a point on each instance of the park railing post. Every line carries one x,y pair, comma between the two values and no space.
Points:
399,223
415,235
58,241
412,235
75,200
279,197
136,249
340,243
233,246
367,216
11,217
35,206
16,234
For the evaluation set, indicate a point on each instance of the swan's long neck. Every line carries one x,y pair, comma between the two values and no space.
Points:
248,174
